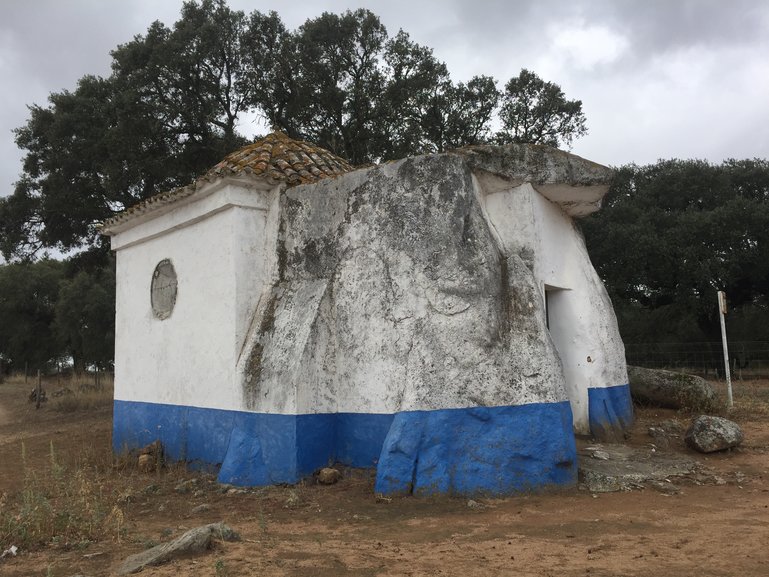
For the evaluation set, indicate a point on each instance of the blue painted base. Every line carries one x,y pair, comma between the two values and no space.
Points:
486,450
610,411
252,448
491,450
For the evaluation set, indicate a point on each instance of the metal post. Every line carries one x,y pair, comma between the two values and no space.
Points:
721,313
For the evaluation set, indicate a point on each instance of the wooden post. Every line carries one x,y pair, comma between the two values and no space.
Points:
39,392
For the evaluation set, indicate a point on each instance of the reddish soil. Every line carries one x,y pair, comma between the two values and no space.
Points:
314,530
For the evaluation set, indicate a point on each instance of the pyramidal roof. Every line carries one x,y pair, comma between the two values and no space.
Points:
276,158
282,159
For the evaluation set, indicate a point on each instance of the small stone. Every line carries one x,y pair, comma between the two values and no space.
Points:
186,486
600,455
328,476
146,463
154,448
708,434
665,487
202,508
472,504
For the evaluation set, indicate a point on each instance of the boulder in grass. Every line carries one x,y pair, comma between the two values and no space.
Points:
709,434
671,390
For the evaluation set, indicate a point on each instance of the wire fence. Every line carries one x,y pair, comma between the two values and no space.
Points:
747,360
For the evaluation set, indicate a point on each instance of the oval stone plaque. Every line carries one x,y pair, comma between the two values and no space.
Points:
163,290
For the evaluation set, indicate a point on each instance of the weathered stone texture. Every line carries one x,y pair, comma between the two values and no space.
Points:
708,434
671,390
393,282
193,541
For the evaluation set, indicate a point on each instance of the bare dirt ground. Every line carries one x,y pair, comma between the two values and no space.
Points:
314,530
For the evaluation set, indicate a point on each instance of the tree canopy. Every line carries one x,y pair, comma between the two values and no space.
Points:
178,98
53,310
673,233
537,111
28,295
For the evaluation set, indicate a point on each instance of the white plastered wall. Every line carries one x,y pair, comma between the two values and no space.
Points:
582,322
226,234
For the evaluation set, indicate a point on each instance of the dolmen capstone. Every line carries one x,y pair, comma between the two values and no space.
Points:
436,318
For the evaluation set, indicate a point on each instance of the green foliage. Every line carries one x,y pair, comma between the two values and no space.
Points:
28,296
52,310
176,96
85,317
537,112
671,234
66,180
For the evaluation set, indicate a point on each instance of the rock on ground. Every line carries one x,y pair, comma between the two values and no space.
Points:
328,476
609,468
671,390
193,541
708,434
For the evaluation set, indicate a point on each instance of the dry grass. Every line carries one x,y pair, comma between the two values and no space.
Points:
62,505
69,508
83,399
70,393
751,399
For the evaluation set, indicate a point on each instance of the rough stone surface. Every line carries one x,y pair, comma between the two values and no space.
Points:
576,184
627,468
150,457
407,250
665,432
708,434
671,390
328,476
193,541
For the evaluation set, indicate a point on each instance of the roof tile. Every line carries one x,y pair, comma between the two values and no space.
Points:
275,157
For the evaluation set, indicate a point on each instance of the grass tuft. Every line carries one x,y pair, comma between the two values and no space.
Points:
58,506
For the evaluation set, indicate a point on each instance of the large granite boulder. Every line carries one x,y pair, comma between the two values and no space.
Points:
671,390
397,294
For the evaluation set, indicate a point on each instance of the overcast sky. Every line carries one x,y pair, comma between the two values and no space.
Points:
657,78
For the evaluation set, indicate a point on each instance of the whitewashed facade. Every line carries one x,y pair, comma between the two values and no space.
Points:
437,318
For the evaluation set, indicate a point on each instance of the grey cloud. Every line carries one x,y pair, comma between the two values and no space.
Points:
46,45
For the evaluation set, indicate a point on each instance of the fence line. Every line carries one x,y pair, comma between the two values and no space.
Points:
748,359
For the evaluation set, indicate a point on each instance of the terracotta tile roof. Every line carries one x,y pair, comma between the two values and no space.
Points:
282,159
276,157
